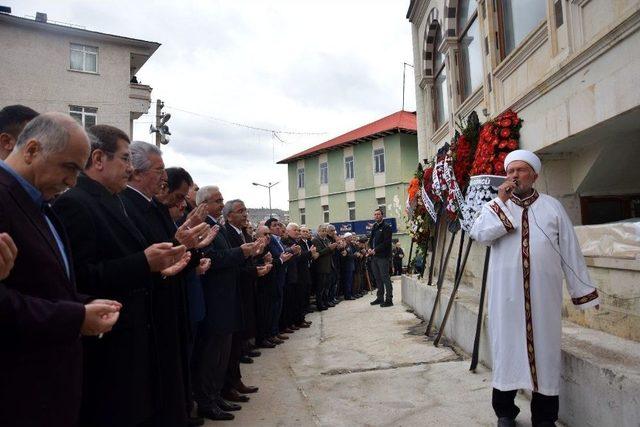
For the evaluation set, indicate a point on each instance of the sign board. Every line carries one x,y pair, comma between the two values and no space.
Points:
362,227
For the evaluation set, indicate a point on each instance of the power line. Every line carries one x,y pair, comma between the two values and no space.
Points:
232,123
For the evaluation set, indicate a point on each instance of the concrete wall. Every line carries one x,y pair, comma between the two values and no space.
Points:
35,71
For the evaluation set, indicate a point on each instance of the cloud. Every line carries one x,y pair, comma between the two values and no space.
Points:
327,66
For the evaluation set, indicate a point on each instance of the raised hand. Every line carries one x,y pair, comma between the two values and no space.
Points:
192,236
286,256
99,318
268,258
8,254
178,266
205,264
197,216
206,241
162,255
263,270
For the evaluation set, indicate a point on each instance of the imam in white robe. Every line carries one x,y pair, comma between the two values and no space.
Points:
533,246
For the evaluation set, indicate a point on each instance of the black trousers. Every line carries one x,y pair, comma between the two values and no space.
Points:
233,375
210,359
543,408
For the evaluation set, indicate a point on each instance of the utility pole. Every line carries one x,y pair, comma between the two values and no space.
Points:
404,72
161,129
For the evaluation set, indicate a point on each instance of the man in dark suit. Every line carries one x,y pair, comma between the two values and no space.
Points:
323,266
13,118
41,353
235,215
380,252
280,259
223,315
297,273
113,260
266,292
171,323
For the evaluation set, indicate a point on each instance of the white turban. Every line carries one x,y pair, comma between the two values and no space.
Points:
525,156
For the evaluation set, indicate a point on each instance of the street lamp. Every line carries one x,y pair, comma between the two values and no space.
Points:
268,187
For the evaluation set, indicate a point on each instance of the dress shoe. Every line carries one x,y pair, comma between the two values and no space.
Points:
294,327
215,414
506,422
376,302
323,308
387,304
349,298
330,304
282,337
245,389
232,395
308,322
254,353
227,406
266,344
195,421
303,325
246,359
276,340
287,331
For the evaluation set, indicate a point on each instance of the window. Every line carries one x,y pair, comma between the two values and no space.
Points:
378,160
604,209
325,213
324,173
86,116
470,47
352,210
303,217
301,178
517,18
382,205
348,167
84,58
440,89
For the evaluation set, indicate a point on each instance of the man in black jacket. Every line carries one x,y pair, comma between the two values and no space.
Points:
380,251
112,259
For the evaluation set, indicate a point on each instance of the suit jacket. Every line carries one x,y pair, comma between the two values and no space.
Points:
323,262
171,324
40,350
109,259
219,283
246,282
279,270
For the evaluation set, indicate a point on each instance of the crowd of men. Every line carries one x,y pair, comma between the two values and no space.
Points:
129,296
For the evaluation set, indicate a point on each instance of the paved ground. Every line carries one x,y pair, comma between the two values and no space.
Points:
369,366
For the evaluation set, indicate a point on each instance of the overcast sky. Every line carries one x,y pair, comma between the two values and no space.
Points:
306,66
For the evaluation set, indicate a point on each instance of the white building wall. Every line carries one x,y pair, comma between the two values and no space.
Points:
35,71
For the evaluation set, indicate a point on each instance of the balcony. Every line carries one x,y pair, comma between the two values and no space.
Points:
139,99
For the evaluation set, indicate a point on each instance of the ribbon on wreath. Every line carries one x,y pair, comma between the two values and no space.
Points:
428,204
455,199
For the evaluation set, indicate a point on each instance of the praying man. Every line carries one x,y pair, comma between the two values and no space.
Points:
533,246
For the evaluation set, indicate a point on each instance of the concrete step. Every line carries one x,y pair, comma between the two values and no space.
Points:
600,374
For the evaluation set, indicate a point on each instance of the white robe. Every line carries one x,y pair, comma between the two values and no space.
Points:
518,358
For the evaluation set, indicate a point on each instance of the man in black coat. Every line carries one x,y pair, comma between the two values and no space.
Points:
171,323
43,316
223,314
380,252
297,277
235,215
113,260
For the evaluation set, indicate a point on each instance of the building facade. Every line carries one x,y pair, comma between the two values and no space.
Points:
87,74
345,179
568,68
